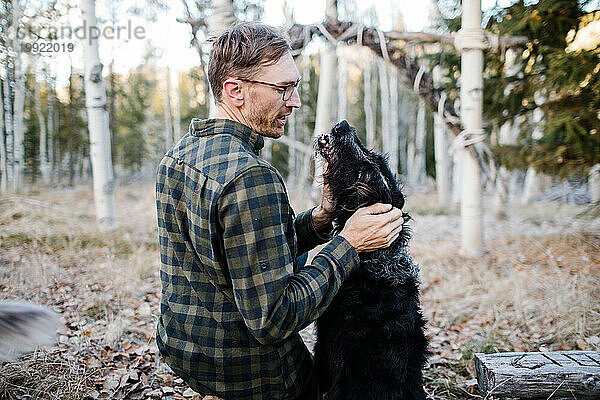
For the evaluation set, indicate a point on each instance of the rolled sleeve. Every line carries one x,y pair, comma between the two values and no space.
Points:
273,298
308,236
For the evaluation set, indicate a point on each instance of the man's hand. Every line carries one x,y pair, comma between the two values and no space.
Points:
373,227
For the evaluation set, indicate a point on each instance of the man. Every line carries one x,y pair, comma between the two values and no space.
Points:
233,296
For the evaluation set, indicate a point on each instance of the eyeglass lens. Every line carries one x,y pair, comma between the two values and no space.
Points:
287,93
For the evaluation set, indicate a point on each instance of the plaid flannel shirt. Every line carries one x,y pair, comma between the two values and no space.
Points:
233,296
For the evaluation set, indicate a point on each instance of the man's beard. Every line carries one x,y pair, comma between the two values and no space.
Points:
264,123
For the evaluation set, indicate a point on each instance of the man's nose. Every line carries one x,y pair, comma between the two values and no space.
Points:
294,100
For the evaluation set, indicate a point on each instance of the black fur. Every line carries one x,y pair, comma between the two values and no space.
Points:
370,340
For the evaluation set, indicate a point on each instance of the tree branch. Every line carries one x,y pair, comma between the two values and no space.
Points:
351,33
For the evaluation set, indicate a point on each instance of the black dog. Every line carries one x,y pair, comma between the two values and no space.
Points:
370,340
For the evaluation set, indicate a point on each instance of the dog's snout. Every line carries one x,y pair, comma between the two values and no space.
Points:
323,139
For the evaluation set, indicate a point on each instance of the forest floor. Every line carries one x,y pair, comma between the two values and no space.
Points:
535,289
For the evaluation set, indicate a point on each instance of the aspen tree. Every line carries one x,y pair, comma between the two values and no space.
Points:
95,94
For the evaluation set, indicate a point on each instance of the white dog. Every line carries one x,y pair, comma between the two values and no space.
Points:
23,326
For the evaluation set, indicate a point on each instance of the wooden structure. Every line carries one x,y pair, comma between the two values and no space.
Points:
552,375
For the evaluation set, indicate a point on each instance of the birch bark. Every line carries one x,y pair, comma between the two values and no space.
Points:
44,167
8,129
95,94
303,116
324,102
420,134
342,84
403,136
50,121
385,105
442,177
411,142
470,39
327,77
19,103
222,17
394,129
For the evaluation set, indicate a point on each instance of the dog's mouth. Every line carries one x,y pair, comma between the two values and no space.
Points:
324,145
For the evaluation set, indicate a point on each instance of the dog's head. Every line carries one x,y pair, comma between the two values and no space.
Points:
357,176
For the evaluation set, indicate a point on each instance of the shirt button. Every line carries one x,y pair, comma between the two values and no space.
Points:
263,265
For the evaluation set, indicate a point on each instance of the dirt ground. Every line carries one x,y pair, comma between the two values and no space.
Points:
535,289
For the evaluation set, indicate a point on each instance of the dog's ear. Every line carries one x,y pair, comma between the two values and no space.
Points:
372,186
397,198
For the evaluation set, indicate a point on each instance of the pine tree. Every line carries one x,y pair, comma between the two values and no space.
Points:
570,144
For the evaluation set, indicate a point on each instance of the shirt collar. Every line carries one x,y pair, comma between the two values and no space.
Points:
213,126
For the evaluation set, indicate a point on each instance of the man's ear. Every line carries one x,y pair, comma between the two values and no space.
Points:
233,91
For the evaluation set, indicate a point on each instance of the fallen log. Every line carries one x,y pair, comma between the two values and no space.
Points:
555,375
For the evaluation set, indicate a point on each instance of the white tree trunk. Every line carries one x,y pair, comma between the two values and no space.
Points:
95,95
594,182
19,103
442,171
403,135
508,135
342,84
50,144
456,178
442,164
176,92
385,105
368,103
9,137
304,112
502,202
412,175
167,111
221,18
394,128
420,135
44,167
471,41
3,165
323,119
531,187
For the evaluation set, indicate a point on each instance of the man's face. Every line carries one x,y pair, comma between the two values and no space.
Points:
264,109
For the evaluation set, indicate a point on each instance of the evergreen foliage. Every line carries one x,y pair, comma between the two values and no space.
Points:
567,82
569,79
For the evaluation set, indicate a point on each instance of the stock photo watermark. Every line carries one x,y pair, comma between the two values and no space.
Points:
52,39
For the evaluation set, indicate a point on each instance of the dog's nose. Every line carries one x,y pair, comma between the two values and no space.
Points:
323,140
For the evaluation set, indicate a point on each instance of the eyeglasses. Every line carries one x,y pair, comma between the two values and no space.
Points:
286,90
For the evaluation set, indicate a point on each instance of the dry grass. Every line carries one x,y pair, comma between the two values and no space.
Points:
535,289
51,252
45,376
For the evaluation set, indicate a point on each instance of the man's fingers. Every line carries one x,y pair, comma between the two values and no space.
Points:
378,208
394,234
